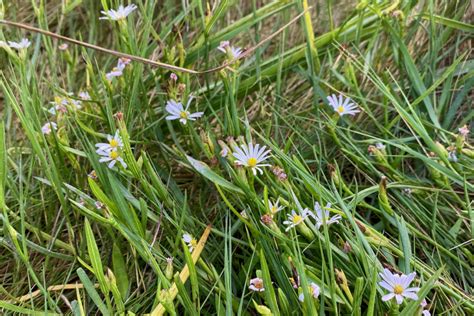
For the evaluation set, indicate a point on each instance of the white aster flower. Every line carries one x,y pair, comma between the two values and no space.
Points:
398,286
63,47
321,216
59,105
76,104
275,207
294,219
232,51
190,241
342,105
48,127
111,156
178,112
251,157
114,143
84,95
120,14
425,312
118,70
256,285
380,146
313,289
24,43
452,156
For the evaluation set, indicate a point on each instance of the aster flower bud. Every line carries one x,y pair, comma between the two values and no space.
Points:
169,268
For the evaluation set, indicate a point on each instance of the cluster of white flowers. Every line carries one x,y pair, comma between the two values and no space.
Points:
62,104
321,217
110,152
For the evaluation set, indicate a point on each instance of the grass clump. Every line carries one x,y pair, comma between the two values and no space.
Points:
227,158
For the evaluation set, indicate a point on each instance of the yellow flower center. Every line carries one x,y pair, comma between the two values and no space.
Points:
398,289
340,109
258,284
183,114
193,243
274,209
297,219
113,143
58,100
252,162
113,154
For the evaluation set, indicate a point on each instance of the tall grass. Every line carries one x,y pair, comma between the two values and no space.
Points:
80,238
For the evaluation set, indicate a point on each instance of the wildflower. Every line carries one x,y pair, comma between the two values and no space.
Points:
322,217
173,77
313,289
120,14
118,70
24,43
224,152
464,131
98,205
231,51
84,95
295,284
59,105
63,47
244,214
275,208
294,219
114,143
452,156
425,312
48,127
92,175
178,112
380,146
190,241
111,156
342,106
398,286
76,104
279,173
251,157
256,285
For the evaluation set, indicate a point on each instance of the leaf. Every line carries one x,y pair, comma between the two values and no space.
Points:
120,271
90,289
204,170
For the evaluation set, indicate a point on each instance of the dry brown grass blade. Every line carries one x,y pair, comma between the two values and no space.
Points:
146,60
184,274
52,288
